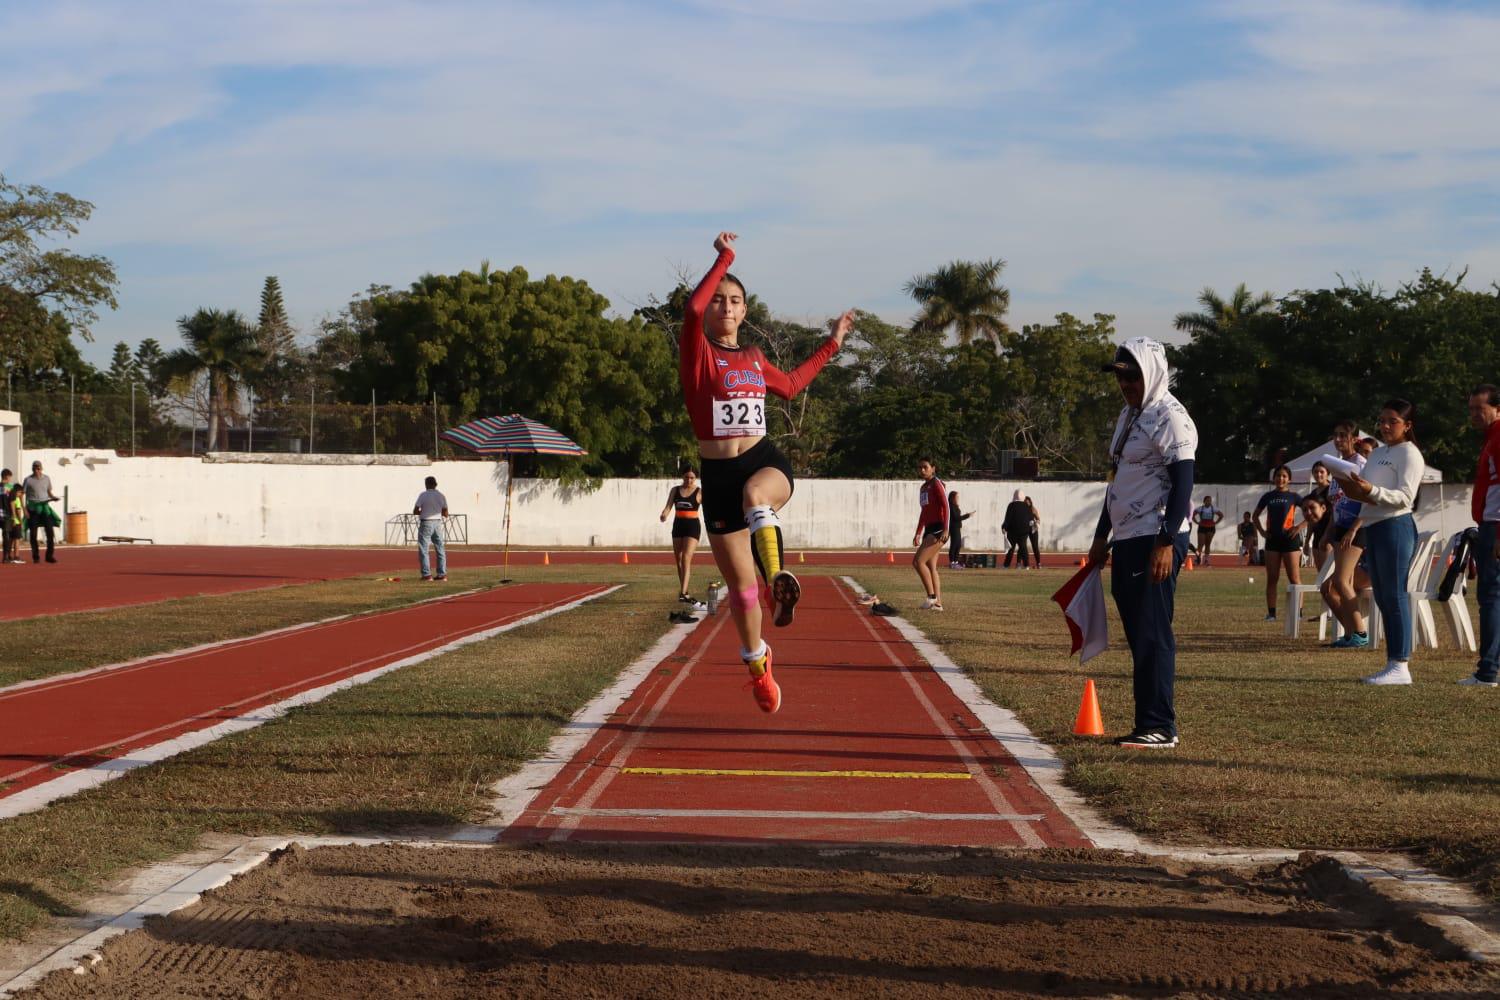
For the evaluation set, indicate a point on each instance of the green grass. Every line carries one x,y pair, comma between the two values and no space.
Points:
1281,745
416,748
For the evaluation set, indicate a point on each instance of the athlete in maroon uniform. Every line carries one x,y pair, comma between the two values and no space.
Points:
932,533
746,479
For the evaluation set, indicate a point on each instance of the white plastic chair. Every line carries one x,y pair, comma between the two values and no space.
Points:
1417,575
1294,594
1455,609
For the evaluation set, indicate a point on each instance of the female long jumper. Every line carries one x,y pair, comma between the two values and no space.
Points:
746,479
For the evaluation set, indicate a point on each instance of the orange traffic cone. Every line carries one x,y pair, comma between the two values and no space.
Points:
890,557
1089,721
625,558
546,559
1187,563
802,557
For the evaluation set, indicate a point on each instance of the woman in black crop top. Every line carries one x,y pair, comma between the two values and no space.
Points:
683,503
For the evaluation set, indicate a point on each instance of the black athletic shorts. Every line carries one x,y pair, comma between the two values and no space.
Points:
933,530
724,482
687,527
1337,532
1206,529
1285,543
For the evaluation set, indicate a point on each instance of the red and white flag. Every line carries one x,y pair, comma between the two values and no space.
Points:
1082,601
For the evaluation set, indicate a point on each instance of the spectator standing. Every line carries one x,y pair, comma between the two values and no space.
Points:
1249,539
956,519
1318,525
1034,536
1283,533
1346,540
39,512
1388,496
1146,509
12,515
1017,527
1207,518
1484,414
432,508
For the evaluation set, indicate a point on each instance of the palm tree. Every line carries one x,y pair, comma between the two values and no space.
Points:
964,295
1220,315
222,346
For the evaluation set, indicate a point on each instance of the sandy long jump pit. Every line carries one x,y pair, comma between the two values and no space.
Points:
598,920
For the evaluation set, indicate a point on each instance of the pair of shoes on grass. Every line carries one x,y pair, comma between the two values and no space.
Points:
1351,640
931,604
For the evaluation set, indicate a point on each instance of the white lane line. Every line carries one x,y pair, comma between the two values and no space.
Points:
514,794
640,728
1038,759
992,791
38,796
190,652
884,815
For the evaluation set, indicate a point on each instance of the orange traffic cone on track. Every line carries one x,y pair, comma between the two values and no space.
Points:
625,558
1089,721
802,557
890,557
546,559
1187,563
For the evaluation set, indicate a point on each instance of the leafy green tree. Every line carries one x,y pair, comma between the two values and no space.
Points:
1219,315
1061,409
148,365
221,354
40,280
964,296
122,369
496,342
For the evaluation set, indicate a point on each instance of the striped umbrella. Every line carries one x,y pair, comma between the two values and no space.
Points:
511,435
507,436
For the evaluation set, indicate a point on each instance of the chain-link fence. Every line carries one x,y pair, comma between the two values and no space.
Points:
139,425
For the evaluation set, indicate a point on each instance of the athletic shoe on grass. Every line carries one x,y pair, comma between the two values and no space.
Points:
1394,673
936,606
927,603
1270,617
426,579
1476,682
767,692
1151,739
785,593
440,579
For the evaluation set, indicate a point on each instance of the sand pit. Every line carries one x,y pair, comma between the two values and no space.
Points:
696,921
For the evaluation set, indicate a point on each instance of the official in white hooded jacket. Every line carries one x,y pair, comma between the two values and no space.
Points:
1146,509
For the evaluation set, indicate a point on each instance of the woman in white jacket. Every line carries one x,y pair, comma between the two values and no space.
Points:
1388,490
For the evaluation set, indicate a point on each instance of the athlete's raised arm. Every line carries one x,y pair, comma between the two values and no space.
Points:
788,384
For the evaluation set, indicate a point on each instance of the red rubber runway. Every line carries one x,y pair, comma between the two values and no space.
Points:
82,721
92,578
870,746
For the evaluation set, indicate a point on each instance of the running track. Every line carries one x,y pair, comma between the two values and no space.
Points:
92,578
870,746
97,719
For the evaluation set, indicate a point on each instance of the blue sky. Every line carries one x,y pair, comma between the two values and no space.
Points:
1119,156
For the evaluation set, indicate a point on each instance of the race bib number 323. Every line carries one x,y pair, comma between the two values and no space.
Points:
739,417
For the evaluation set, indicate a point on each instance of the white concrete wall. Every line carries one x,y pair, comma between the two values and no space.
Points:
191,502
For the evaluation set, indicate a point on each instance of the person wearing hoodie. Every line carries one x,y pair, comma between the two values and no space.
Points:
1146,509
1017,527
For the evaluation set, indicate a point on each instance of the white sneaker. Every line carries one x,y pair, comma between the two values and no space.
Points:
699,606
1394,673
1476,682
927,604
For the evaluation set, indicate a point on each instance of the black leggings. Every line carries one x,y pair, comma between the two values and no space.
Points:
1017,543
36,552
1036,549
955,546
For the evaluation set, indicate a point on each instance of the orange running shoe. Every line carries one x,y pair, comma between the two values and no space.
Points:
785,593
767,692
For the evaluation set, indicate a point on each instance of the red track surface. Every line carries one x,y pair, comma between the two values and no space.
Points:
82,721
97,577
856,697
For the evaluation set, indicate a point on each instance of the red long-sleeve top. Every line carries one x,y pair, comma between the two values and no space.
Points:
934,500
1485,501
725,387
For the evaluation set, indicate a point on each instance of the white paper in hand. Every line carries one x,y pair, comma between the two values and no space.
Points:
1340,467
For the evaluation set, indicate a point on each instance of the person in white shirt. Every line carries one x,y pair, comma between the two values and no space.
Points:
1388,490
432,508
1146,508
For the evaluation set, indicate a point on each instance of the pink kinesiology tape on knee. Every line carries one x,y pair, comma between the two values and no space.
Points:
743,599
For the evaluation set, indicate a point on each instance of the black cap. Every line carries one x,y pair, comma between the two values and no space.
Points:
1123,364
